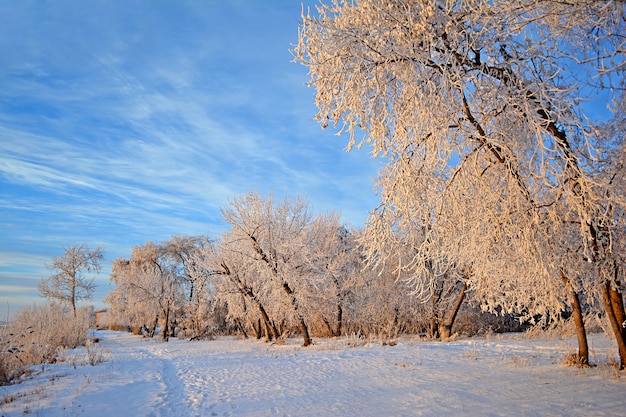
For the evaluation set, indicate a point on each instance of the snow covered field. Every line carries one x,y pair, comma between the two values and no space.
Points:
500,376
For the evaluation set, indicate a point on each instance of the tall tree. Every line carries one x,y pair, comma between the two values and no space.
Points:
330,261
486,96
69,283
613,241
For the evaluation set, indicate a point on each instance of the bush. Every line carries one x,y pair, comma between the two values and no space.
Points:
471,321
36,335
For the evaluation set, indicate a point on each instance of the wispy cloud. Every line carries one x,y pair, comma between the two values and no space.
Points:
126,122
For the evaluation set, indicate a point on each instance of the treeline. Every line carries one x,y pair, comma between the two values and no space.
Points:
279,271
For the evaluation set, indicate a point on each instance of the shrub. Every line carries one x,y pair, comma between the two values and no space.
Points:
95,354
36,335
471,321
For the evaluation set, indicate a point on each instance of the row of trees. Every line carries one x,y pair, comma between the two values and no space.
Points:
501,179
278,270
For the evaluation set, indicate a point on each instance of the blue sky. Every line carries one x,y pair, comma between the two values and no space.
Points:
123,122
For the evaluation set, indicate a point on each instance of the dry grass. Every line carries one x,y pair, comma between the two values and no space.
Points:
471,353
613,369
36,335
572,359
95,354
9,398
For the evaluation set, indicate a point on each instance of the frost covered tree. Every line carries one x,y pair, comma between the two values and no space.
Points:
612,234
321,262
69,284
273,233
381,304
186,256
476,101
148,290
242,288
330,262
418,247
280,267
181,251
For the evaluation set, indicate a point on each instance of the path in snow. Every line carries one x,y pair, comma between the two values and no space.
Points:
229,377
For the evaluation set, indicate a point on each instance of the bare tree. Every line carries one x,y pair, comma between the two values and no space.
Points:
69,283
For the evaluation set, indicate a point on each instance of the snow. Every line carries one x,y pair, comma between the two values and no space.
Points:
498,376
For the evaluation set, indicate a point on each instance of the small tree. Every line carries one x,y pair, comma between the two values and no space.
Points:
69,284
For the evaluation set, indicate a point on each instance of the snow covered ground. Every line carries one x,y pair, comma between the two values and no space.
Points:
500,376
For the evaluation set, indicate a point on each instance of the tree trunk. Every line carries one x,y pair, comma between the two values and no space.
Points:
173,325
270,330
615,325
73,296
577,312
617,301
242,328
258,332
165,332
305,331
433,330
339,329
246,291
445,330
154,326
396,323
191,290
301,323
329,329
